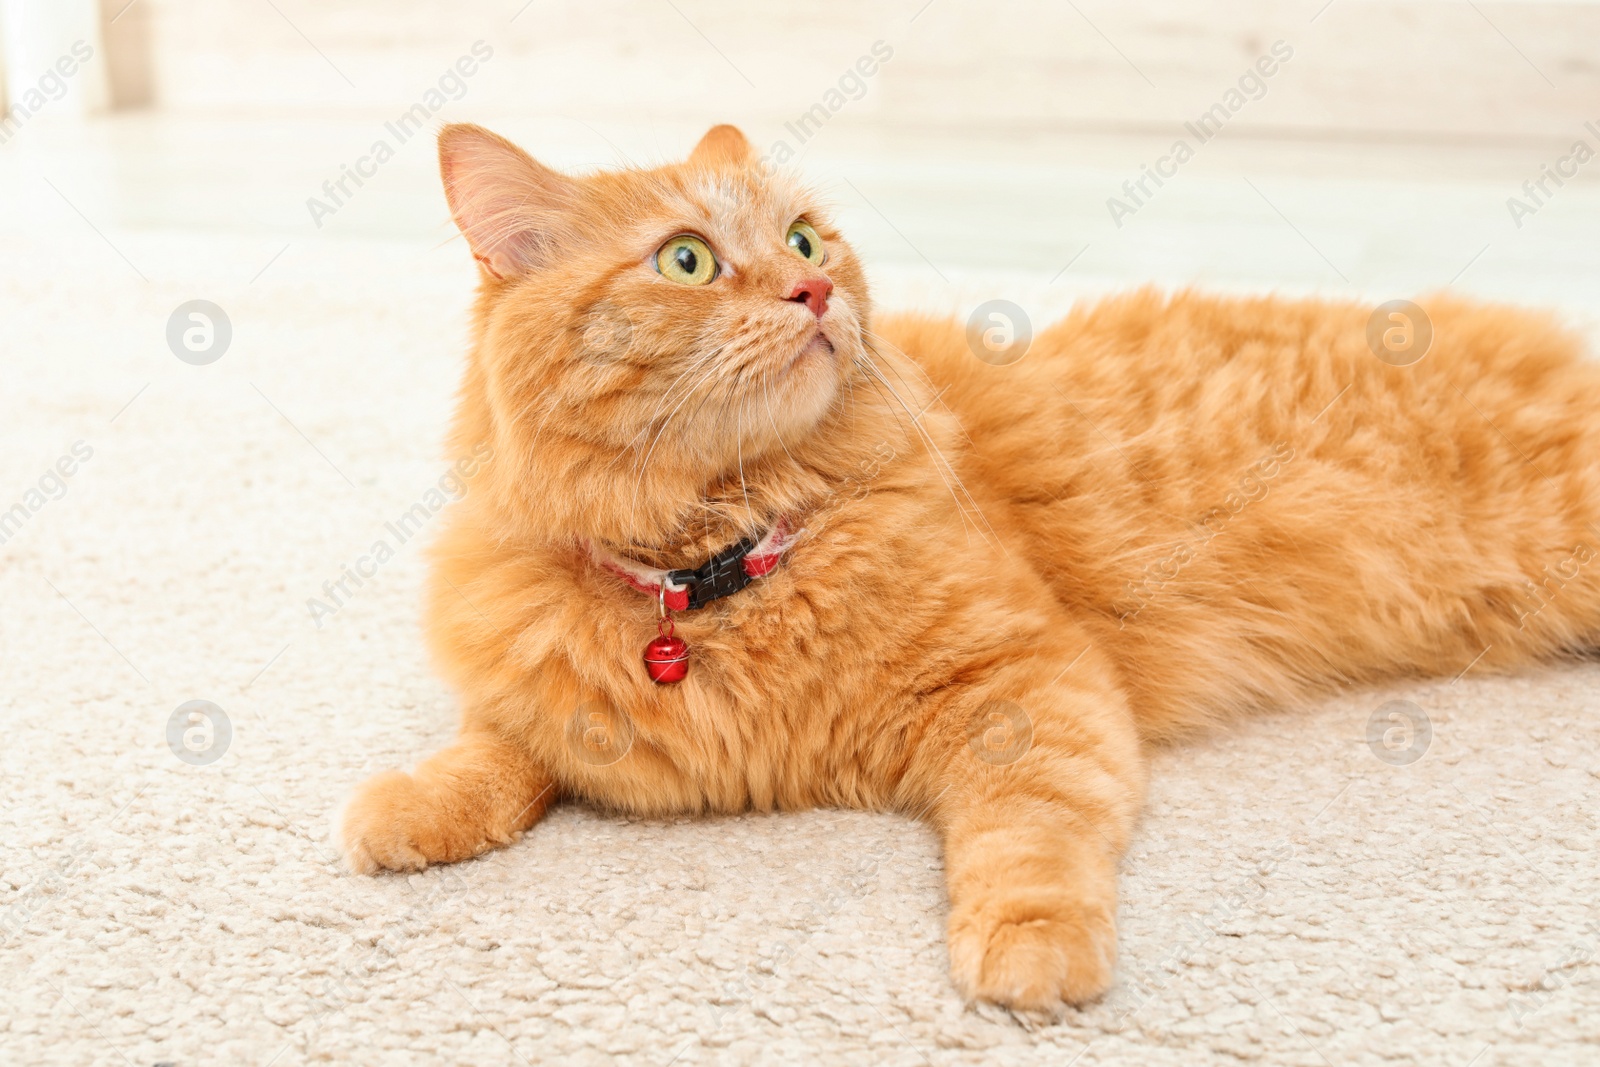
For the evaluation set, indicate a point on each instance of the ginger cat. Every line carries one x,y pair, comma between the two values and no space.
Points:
967,592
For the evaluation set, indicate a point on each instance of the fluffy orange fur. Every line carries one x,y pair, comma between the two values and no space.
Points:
1175,508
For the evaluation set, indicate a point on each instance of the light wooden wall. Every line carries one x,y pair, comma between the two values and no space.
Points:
1396,68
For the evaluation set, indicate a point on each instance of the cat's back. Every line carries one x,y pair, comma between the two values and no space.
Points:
1135,387
1170,378
1128,362
1186,470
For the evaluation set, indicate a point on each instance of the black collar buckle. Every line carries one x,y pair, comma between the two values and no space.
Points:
719,576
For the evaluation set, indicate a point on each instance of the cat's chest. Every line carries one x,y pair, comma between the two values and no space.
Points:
760,719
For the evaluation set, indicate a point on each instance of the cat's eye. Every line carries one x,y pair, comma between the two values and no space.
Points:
805,242
687,261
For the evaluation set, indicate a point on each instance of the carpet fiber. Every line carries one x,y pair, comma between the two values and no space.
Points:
1291,897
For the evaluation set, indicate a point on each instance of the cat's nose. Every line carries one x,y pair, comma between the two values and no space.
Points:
813,293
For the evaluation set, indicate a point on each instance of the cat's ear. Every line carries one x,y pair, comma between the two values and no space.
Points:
722,144
512,210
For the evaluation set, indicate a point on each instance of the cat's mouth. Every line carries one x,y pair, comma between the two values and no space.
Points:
817,345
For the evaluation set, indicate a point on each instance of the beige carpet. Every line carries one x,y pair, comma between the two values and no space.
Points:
1291,898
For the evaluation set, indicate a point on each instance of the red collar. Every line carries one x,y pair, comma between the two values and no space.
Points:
727,572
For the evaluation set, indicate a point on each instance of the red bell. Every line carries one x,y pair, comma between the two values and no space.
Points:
666,658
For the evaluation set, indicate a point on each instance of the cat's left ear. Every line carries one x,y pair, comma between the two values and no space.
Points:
513,210
722,144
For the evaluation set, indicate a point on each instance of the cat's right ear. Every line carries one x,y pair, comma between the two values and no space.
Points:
722,145
512,210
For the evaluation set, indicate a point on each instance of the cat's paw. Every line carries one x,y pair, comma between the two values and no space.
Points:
394,822
1032,949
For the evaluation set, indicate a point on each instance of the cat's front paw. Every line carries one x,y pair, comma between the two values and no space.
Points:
1032,948
394,822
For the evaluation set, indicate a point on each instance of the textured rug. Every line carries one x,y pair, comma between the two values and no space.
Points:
1313,888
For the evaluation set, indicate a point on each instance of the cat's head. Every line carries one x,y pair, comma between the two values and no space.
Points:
644,334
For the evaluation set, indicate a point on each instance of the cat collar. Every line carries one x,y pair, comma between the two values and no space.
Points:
666,658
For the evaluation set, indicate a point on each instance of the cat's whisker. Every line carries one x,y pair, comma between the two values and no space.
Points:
947,473
766,392
905,418
694,364
894,365
889,406
744,486
644,464
703,365
906,361
879,342
538,430
698,363
730,389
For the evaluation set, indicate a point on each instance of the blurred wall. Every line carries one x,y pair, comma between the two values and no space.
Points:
1395,68
52,58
